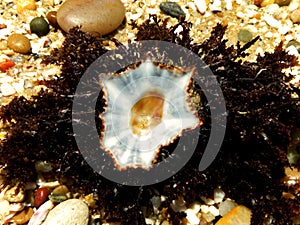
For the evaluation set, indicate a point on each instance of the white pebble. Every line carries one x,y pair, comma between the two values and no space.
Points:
218,195
204,208
7,89
69,212
201,5
293,5
213,210
216,6
196,206
226,206
240,15
4,210
192,217
284,29
269,34
271,21
228,4
39,215
292,50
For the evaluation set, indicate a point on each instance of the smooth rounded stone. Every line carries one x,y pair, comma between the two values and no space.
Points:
4,209
294,43
238,215
41,195
226,206
39,26
14,194
282,2
70,212
57,198
245,35
19,43
62,189
94,16
24,216
52,18
295,16
172,9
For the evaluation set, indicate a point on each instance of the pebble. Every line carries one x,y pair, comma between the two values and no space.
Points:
4,209
57,198
104,16
266,2
192,217
39,26
40,215
41,196
70,212
62,189
226,206
172,9
238,215
19,43
24,216
283,2
14,194
52,19
43,166
25,4
7,89
218,195
294,43
295,16
245,35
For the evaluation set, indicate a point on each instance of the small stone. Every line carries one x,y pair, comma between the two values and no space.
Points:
14,194
41,196
226,206
52,19
94,16
245,35
294,43
39,26
295,16
172,9
238,215
24,216
4,209
70,212
266,3
192,217
43,166
19,43
57,198
218,195
25,4
62,189
282,2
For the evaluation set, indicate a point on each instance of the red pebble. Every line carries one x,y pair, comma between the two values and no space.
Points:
41,196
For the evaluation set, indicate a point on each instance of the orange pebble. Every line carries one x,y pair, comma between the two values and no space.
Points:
240,215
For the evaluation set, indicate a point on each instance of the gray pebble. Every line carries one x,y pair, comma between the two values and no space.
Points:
172,9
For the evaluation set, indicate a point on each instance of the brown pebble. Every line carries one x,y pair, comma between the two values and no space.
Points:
62,189
41,196
52,19
19,43
265,3
282,2
295,16
14,194
94,16
24,216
